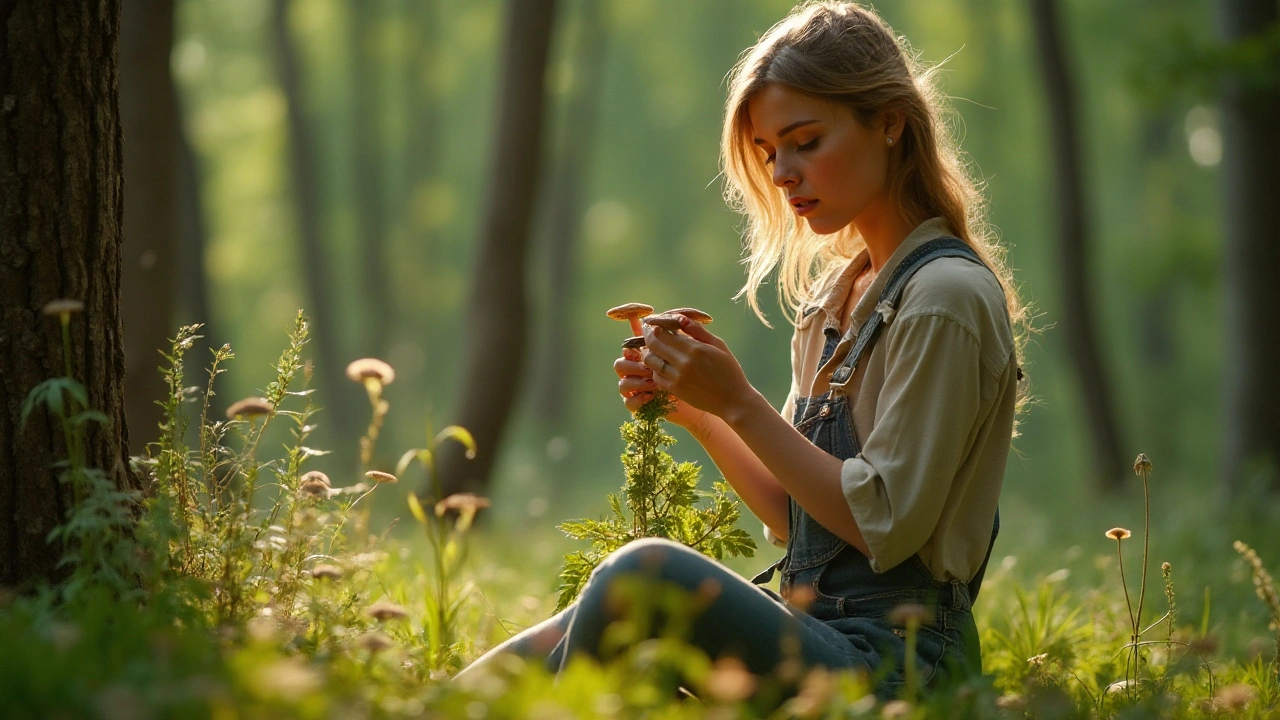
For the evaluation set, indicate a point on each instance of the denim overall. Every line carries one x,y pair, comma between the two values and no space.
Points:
833,581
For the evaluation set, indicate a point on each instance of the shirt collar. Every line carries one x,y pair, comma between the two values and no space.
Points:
838,293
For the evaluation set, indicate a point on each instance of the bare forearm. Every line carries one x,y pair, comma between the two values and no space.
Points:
743,470
800,468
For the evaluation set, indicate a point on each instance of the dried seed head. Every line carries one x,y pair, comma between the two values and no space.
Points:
461,502
1142,465
249,407
384,610
62,307
375,641
315,484
326,572
1235,696
1165,567
370,369
730,681
909,614
381,477
1118,533
896,709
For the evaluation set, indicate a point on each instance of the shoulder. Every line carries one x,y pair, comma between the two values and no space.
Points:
969,295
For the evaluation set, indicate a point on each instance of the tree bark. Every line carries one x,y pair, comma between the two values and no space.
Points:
330,368
61,178
149,117
366,145
496,314
1251,297
564,223
1073,248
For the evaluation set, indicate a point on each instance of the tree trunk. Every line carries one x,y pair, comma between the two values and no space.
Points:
320,289
1073,245
366,146
149,117
1251,297
496,313
564,220
61,171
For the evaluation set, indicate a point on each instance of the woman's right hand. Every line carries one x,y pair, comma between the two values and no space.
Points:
636,386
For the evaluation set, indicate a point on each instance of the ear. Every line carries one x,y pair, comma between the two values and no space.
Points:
894,121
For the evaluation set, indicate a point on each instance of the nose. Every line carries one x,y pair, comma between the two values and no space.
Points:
784,173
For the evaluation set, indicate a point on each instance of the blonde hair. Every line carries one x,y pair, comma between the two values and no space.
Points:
848,55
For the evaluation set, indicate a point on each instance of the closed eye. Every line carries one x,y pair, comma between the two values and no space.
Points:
808,146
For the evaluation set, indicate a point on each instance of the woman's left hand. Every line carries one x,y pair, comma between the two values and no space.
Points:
696,366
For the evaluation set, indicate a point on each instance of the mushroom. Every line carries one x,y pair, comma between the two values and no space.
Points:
633,343
669,322
631,312
693,314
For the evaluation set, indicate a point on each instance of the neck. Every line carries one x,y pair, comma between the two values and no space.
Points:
882,231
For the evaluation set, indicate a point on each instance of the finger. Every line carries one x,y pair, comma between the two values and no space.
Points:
631,385
625,368
635,402
699,332
662,347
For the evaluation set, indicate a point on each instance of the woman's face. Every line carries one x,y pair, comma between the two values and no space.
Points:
832,167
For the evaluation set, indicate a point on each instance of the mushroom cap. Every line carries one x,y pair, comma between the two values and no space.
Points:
249,407
633,343
62,306
666,321
365,368
693,314
381,477
630,310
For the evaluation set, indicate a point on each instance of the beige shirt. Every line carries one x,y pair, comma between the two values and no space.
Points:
933,407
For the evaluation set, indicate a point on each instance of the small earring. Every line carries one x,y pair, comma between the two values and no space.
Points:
889,139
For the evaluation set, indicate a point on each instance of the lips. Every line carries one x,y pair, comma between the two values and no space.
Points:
803,205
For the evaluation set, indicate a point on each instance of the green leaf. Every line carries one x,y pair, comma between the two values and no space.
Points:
458,434
415,507
86,416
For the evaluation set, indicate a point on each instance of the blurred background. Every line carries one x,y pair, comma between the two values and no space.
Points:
384,163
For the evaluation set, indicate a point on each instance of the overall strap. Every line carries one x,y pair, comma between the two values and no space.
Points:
889,297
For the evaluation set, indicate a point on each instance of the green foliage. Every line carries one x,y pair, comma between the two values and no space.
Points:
661,501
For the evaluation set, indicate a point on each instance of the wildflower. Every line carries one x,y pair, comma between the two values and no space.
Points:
62,307
1205,645
896,709
315,484
249,407
1142,465
381,477
326,572
384,610
375,642
1119,533
370,369
730,681
1037,660
466,505
1235,696
1012,702
910,615
1165,567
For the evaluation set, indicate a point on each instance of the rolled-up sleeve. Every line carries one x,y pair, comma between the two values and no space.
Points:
925,423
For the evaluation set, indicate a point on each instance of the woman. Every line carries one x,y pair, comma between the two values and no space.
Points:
882,471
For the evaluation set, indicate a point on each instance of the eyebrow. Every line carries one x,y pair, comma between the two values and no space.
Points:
793,126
